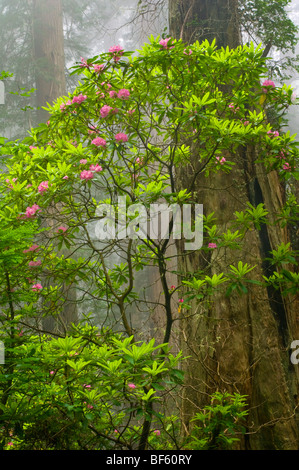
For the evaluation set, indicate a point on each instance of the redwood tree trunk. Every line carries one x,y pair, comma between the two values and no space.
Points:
239,343
48,41
49,52
192,20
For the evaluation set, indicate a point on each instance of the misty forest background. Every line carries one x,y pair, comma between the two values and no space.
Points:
237,344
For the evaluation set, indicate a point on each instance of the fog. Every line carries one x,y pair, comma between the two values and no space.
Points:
89,28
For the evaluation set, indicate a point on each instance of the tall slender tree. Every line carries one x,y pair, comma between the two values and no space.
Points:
238,343
48,42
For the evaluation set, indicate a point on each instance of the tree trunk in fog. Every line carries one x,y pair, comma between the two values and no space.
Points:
50,83
48,52
192,20
239,343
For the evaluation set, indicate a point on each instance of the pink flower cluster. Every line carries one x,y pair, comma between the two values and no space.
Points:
9,183
287,166
34,264
98,68
86,175
117,52
232,107
222,161
123,94
89,174
164,43
121,137
84,63
31,248
95,168
105,111
212,245
61,229
44,186
79,99
112,94
99,142
37,287
92,130
273,133
268,83
31,211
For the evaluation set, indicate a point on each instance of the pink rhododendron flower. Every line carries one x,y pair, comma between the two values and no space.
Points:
212,245
31,248
44,186
31,211
187,53
34,264
157,432
86,175
83,161
92,130
98,67
105,110
117,52
88,406
273,133
282,155
181,301
131,386
79,99
84,63
232,107
65,177
123,94
121,137
286,166
37,287
222,161
112,94
268,83
116,49
61,229
95,168
164,42
99,142
10,185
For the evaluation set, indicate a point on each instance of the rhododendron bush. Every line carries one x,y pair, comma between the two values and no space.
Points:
133,119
